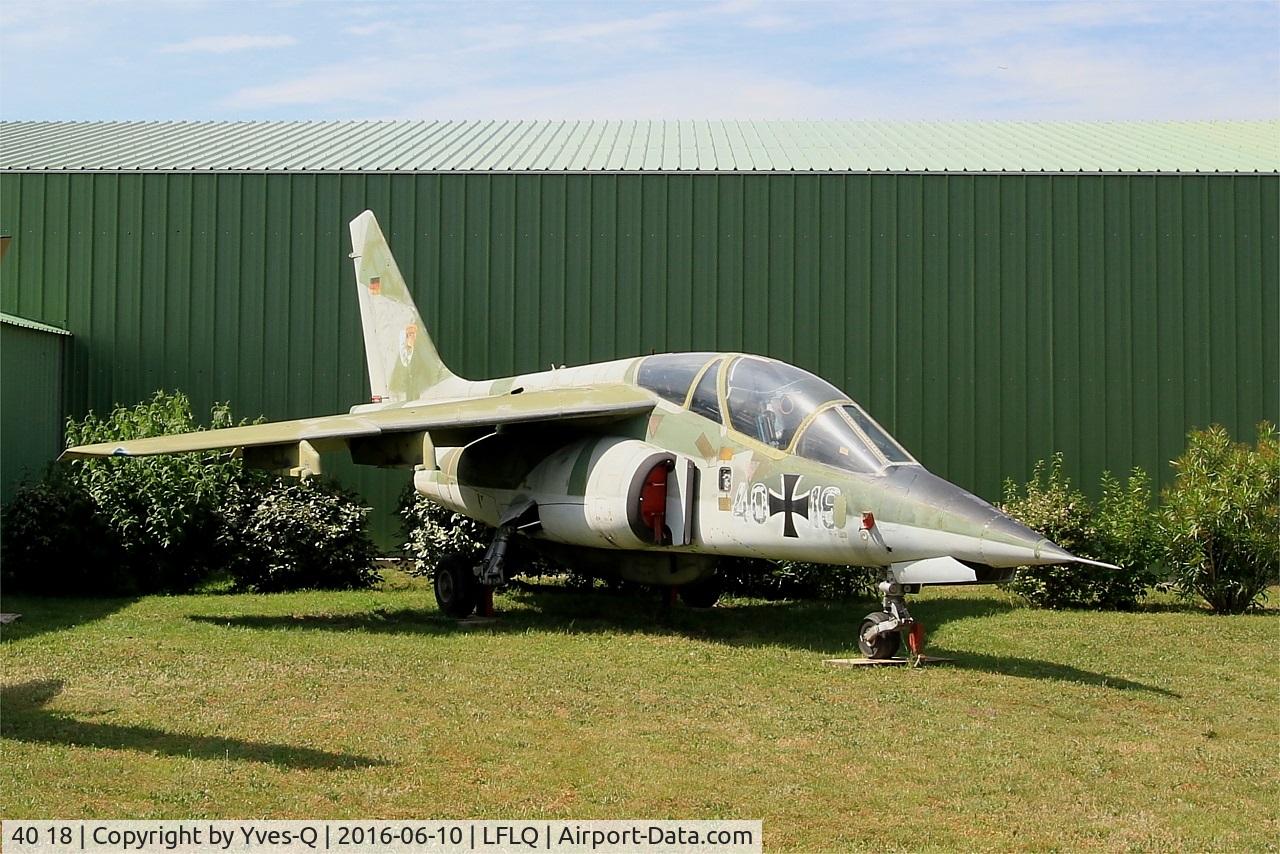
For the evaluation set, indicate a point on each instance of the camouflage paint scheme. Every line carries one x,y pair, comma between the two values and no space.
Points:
559,445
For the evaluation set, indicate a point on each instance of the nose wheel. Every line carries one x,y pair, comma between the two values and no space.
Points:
875,642
882,633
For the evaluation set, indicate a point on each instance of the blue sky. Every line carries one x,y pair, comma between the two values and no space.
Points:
234,59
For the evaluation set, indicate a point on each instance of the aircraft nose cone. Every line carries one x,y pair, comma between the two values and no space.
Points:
1006,539
1002,540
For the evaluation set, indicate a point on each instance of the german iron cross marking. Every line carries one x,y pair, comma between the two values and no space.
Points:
787,503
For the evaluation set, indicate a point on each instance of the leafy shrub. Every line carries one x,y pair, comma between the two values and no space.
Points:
1126,534
1119,533
55,543
431,531
145,524
294,535
1220,519
149,523
786,579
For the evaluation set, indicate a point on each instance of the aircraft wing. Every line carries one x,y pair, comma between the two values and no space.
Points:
470,417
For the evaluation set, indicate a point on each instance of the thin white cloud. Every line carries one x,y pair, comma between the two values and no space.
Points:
616,27
370,29
1080,82
28,26
338,84
681,93
660,30
228,44
366,88
1067,84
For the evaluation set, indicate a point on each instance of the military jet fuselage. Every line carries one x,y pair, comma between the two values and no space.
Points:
739,455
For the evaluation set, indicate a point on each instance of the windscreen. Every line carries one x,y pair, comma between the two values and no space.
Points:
769,400
831,439
886,444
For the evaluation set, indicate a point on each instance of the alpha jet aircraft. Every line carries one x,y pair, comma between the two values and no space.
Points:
650,468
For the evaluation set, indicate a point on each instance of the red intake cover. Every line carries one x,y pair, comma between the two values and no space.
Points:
653,501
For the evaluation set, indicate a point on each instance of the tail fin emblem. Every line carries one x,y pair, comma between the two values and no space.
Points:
375,285
408,338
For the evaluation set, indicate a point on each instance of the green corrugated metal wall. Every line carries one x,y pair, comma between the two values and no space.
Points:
987,320
30,404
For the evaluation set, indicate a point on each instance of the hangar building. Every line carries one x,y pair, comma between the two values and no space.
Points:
992,293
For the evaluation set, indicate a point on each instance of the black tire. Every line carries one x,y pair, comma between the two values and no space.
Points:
455,585
703,593
885,645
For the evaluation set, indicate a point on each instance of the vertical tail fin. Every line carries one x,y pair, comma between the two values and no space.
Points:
402,358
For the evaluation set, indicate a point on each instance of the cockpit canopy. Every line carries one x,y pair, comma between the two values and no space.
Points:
777,404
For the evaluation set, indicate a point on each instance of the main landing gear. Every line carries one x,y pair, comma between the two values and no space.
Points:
882,632
703,593
455,585
463,586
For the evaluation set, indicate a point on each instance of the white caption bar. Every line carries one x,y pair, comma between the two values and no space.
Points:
392,837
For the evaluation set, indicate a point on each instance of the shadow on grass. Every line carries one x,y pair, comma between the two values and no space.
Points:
44,614
1030,668
823,627
26,719
1199,609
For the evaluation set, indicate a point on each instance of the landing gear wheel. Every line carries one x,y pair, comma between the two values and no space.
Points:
703,593
455,585
882,645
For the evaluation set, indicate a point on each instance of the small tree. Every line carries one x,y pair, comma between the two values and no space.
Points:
165,512
1220,521
1126,534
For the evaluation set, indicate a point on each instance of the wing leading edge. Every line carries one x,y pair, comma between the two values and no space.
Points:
474,416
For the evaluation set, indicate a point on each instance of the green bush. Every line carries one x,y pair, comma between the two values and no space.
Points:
1220,520
147,524
125,525
55,543
296,535
1119,533
787,579
431,531
1126,534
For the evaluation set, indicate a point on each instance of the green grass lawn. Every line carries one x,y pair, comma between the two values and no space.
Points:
1051,730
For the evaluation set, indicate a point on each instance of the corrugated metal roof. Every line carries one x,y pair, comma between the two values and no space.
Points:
14,320
641,146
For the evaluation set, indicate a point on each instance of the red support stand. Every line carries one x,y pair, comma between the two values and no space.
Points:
671,595
486,601
915,639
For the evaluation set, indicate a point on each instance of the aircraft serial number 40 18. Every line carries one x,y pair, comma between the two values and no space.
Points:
649,468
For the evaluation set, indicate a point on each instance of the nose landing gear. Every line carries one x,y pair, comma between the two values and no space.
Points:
882,632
